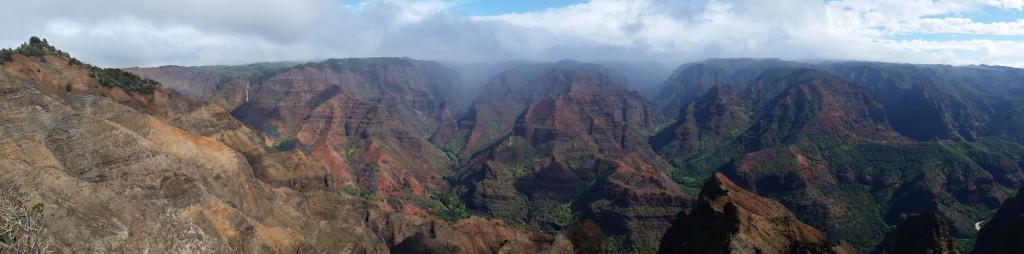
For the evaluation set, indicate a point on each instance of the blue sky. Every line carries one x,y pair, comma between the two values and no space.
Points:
990,14
496,7
123,33
986,14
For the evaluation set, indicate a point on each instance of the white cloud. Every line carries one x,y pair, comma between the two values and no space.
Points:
1006,4
127,39
967,26
194,32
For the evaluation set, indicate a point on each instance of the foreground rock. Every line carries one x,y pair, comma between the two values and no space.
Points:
728,219
921,233
1004,233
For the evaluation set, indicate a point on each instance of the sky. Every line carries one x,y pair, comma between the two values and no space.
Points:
128,33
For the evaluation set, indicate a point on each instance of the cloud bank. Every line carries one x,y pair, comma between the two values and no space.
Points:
125,33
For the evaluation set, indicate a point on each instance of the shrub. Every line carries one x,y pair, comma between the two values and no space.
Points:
22,230
351,190
131,83
108,77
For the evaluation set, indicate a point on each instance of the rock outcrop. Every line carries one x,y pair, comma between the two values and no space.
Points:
582,237
921,233
728,219
1004,233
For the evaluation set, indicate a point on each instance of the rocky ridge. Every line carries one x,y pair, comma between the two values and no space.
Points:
128,172
728,219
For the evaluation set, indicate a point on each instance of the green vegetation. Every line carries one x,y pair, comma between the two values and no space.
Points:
351,190
510,141
452,148
34,48
349,152
518,170
292,176
279,144
356,64
253,73
445,204
131,83
615,244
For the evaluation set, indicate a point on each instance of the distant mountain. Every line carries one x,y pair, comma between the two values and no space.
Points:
644,77
929,102
506,97
577,151
692,80
227,86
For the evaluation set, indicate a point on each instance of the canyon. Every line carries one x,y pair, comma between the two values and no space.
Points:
390,155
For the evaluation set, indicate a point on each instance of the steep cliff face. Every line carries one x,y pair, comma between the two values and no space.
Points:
728,219
1003,233
131,172
367,120
957,103
927,102
579,153
920,233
